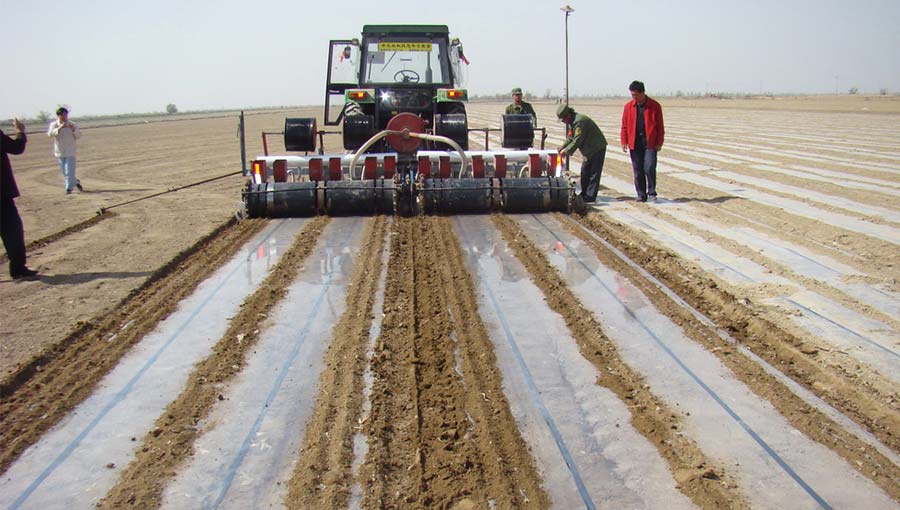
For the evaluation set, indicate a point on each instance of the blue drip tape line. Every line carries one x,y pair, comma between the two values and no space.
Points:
535,394
759,440
695,251
845,328
273,392
72,446
804,257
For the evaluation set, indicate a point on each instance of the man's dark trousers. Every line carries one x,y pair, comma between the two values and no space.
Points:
13,234
590,176
643,165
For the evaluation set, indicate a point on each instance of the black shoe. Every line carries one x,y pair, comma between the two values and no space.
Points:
578,205
589,200
642,199
78,185
68,192
24,272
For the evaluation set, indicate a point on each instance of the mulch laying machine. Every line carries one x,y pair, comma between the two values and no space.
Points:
398,94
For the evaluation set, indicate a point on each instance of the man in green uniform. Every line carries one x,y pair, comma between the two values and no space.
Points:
519,106
583,134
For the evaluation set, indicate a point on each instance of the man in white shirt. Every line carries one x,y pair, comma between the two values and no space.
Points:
65,134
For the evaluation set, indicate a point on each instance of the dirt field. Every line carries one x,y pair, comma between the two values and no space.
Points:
734,345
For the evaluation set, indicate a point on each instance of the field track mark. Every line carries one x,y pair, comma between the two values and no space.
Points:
163,450
78,227
651,416
40,393
440,430
322,476
764,339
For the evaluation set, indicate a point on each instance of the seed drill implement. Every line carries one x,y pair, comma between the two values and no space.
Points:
398,95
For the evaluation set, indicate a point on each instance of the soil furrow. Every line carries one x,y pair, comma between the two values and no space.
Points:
709,486
750,330
872,403
440,437
322,476
78,227
478,362
780,267
164,449
393,391
40,393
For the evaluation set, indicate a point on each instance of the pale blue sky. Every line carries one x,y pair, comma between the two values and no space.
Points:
115,56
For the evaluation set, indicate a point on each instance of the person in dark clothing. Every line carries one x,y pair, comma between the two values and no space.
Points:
10,222
519,106
584,135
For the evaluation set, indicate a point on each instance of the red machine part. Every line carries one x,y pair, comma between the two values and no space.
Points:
424,166
537,168
444,167
500,166
279,171
554,161
334,169
260,171
410,123
315,169
478,166
390,167
371,164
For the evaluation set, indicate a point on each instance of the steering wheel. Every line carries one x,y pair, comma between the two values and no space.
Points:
406,76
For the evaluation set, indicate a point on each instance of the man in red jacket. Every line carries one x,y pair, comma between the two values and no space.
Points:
643,133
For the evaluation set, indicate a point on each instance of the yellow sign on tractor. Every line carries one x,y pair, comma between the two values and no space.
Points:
403,46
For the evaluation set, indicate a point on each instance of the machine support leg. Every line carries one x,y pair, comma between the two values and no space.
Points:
243,144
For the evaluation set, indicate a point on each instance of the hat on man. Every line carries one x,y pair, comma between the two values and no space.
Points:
563,111
516,90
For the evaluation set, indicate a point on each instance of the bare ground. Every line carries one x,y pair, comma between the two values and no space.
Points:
863,403
708,485
438,437
163,450
40,393
323,475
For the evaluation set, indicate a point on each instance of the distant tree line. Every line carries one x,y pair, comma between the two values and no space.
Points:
548,95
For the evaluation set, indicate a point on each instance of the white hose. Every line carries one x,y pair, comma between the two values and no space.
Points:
433,138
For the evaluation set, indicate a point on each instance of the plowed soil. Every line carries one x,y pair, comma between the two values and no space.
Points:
697,477
169,444
439,437
438,428
869,408
40,393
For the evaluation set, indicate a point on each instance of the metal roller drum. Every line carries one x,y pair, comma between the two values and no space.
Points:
518,131
290,199
384,196
357,130
350,198
256,200
456,196
541,194
300,134
454,126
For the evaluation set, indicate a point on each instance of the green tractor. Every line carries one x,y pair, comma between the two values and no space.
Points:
398,93
414,69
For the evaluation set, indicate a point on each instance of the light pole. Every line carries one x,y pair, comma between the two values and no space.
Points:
568,9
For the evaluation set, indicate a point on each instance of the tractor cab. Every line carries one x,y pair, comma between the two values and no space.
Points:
392,70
